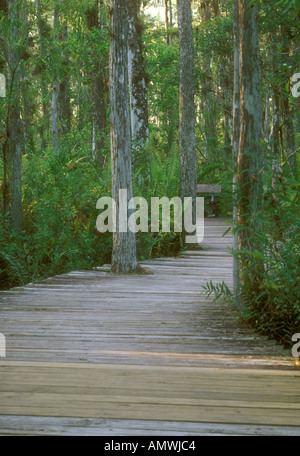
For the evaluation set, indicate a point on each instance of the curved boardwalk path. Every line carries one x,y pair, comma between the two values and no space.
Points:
95,353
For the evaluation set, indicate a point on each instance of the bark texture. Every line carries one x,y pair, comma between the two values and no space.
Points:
44,86
137,80
249,155
124,243
97,91
65,114
207,9
14,117
187,141
235,146
55,94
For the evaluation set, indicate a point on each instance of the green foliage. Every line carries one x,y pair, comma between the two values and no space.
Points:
60,195
219,291
156,175
274,303
59,234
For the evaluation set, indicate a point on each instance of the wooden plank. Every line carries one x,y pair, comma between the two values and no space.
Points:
286,397
41,426
41,399
131,393
161,412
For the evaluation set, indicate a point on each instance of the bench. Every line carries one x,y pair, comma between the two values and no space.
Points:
212,189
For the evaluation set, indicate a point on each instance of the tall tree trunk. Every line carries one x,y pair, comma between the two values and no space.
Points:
97,91
124,241
226,91
187,141
55,92
44,88
64,89
26,96
170,20
267,129
4,123
286,110
167,21
267,116
276,159
207,9
235,148
99,111
209,111
137,82
276,140
249,156
289,131
14,117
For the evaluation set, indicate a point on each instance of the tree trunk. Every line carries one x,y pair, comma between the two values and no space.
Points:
26,96
209,111
4,140
98,93
207,9
249,155
137,83
64,89
14,117
276,140
167,22
44,88
225,68
170,19
55,93
286,111
235,148
187,141
289,132
124,241
267,122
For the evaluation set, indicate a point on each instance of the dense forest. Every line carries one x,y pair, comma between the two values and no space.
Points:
199,92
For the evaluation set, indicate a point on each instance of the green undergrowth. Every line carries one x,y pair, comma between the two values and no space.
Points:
270,274
59,202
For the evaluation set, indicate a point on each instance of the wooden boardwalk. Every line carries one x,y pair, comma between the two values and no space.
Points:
95,353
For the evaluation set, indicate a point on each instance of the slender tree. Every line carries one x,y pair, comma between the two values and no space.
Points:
124,241
249,155
235,146
286,35
167,21
44,87
170,19
55,89
97,77
14,133
25,85
65,112
207,10
187,141
4,121
137,82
